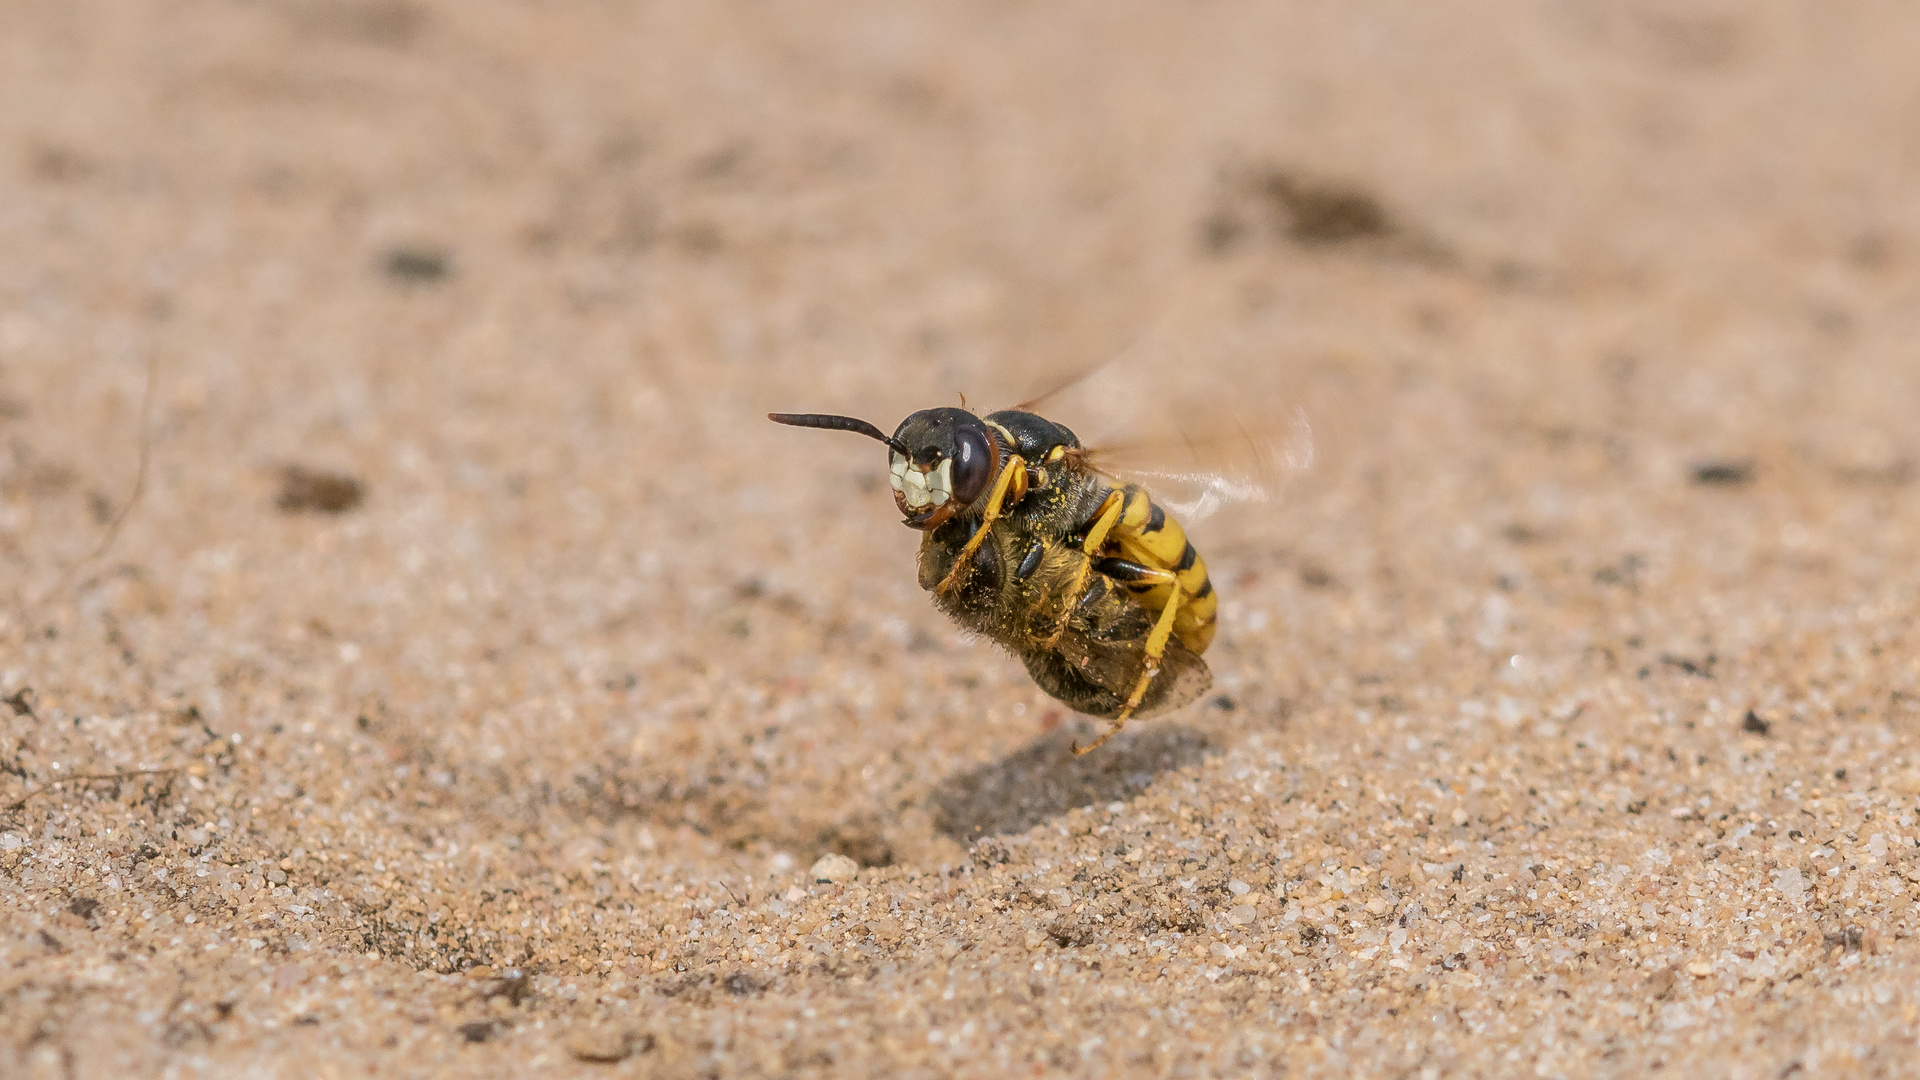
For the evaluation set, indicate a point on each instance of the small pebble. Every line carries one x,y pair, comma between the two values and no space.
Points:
834,869
1791,882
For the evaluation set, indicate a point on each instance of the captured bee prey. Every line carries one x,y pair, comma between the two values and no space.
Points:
1029,541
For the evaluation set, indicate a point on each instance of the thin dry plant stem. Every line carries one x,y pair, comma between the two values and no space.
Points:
84,778
119,521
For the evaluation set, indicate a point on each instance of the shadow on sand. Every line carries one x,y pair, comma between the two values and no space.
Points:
1043,780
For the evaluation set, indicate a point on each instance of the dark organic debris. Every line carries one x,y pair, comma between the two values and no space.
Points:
859,838
1723,472
1521,533
418,266
303,489
515,985
1754,724
476,1031
1315,576
84,906
700,988
1073,933
1699,669
1324,212
1627,573
21,702
1272,203
1849,938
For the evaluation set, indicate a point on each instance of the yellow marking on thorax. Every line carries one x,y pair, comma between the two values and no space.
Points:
1018,490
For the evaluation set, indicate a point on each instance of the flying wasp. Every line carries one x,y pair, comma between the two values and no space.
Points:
1027,541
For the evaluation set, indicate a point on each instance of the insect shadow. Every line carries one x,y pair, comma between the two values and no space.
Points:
1041,781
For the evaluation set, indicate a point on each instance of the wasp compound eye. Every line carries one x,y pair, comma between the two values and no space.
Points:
972,464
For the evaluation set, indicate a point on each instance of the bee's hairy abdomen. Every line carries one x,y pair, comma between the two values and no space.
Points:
1088,648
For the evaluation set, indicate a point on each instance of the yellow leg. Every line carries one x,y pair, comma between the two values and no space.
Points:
1111,508
1156,648
1097,743
1014,467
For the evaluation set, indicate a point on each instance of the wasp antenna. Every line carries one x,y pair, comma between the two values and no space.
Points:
830,422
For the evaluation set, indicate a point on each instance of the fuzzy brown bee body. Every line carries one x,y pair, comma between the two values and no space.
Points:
1093,586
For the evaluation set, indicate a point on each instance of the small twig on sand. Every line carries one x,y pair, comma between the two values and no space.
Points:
21,802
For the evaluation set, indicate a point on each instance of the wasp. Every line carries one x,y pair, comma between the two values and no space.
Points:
1083,577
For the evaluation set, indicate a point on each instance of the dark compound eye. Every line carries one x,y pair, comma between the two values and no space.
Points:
972,464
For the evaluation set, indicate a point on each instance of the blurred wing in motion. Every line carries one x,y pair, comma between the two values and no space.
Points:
1198,431
1233,458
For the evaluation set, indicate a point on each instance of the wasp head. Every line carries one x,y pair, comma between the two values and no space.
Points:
943,459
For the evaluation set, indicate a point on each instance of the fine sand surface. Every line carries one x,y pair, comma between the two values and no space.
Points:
478,675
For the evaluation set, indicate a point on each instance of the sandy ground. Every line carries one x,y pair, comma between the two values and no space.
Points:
478,675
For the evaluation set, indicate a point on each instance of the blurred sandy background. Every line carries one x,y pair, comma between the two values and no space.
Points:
479,675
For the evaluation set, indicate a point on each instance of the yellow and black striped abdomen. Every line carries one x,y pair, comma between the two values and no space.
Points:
1146,534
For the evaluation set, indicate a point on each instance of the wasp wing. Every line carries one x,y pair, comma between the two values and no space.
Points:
1198,426
1238,455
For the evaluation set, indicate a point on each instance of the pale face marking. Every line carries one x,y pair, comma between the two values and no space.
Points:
941,485
921,487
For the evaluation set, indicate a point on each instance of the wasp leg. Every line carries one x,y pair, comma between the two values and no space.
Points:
1156,646
1078,750
1015,466
1104,520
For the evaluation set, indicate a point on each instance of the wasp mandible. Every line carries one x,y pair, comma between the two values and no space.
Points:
1091,584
